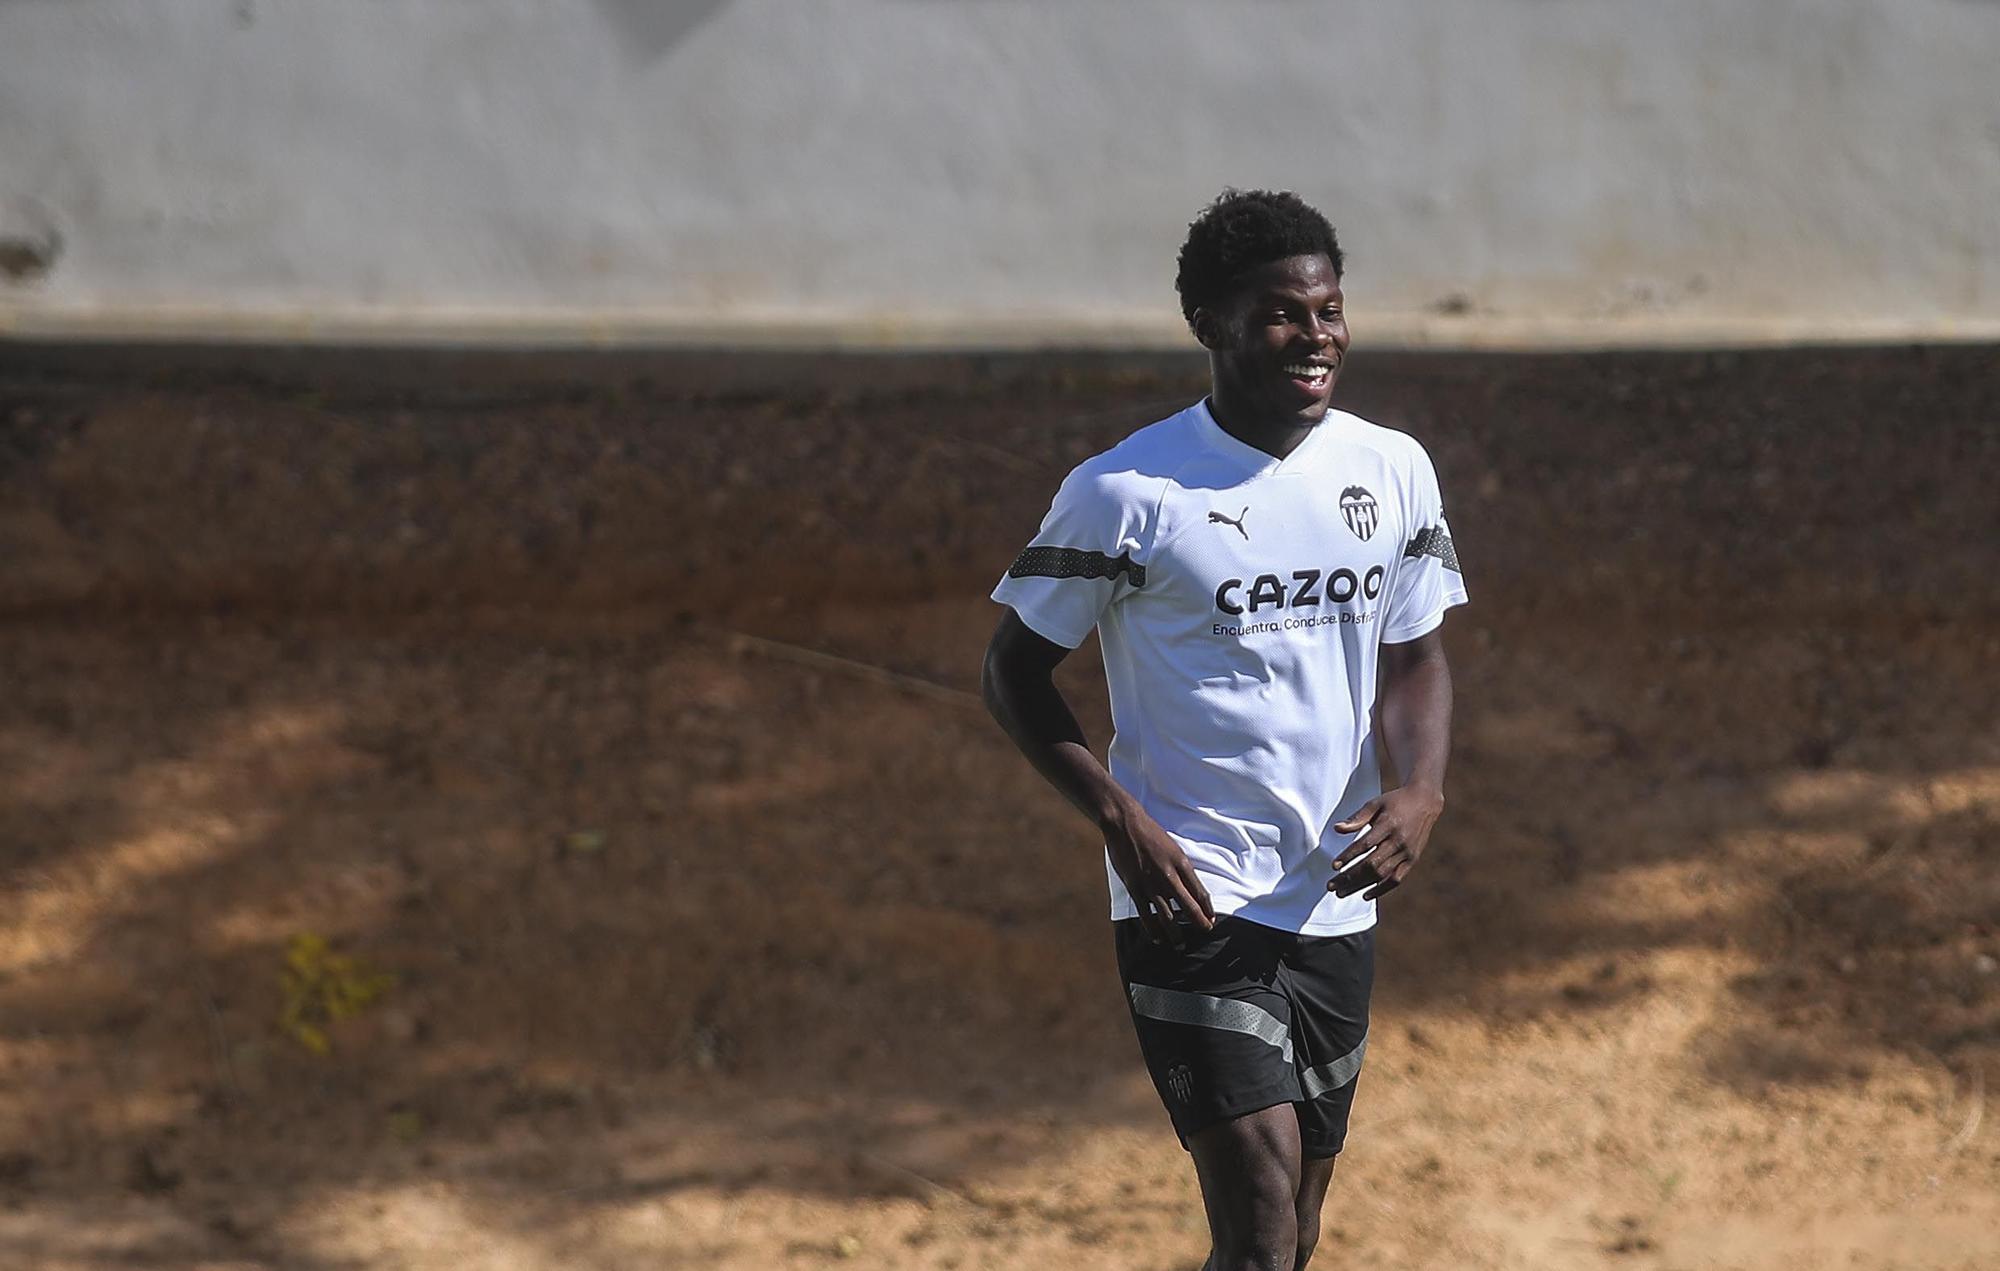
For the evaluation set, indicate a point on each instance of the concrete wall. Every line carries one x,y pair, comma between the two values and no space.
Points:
993,171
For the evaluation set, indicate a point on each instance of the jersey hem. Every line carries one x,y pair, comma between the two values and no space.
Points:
1354,927
1121,910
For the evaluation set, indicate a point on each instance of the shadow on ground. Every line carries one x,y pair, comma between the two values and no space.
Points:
623,711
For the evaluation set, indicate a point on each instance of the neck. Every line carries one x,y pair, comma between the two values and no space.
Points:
1275,437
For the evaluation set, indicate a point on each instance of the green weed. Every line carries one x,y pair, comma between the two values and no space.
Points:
322,987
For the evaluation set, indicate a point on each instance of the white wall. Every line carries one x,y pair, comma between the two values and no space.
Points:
811,172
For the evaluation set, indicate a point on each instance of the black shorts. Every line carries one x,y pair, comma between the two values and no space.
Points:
1246,1017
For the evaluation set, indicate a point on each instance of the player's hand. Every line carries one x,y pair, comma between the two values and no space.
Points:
1156,873
1394,827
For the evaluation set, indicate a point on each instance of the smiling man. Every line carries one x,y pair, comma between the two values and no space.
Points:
1254,565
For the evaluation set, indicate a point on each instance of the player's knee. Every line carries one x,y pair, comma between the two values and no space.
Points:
1265,1235
1312,1194
1272,1254
1308,1228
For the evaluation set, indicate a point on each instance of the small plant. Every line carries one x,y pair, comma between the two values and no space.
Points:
322,986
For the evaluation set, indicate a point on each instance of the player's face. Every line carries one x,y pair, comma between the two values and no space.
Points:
1277,343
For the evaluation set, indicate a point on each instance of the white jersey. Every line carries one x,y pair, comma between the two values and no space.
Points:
1241,601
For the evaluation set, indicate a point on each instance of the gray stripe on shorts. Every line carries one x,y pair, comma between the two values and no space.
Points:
1317,1081
1203,1011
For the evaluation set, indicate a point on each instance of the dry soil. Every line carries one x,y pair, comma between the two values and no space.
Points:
622,710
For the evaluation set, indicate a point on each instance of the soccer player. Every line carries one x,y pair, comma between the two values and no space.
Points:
1254,566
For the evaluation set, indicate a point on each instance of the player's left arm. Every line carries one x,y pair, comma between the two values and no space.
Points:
1395,826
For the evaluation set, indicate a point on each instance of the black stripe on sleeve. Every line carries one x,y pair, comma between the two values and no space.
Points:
1433,541
1074,562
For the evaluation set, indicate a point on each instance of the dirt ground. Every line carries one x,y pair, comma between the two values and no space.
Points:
621,708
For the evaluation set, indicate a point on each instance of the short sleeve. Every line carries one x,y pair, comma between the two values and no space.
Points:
1087,556
1428,580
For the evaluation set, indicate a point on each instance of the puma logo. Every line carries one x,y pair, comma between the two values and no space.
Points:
1217,518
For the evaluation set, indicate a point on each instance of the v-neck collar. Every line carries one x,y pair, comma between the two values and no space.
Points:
1261,463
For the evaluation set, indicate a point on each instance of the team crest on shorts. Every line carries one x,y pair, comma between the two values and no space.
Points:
1180,1080
1357,506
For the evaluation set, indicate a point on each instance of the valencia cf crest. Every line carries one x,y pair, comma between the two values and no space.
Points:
1357,506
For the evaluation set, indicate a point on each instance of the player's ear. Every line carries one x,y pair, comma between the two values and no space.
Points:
1209,328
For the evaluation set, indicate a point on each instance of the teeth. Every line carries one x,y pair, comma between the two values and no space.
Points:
1308,372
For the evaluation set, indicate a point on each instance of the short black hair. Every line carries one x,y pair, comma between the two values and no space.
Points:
1241,230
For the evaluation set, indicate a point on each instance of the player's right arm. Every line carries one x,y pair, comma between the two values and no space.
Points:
1018,683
